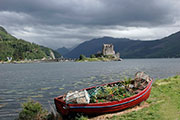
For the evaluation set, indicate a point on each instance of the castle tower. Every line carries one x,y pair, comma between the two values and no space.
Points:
108,49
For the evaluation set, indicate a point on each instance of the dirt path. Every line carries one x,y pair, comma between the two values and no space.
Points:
110,115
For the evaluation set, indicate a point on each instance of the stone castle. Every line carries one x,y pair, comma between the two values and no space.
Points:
108,49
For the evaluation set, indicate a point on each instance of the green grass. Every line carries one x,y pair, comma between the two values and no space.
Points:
164,102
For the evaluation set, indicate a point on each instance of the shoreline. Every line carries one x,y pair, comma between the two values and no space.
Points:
74,60
57,60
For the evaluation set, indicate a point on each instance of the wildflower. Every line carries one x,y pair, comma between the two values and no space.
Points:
123,94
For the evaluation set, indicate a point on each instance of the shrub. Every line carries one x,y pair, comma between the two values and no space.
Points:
32,110
92,56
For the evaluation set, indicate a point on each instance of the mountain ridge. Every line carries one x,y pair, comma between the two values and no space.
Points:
128,48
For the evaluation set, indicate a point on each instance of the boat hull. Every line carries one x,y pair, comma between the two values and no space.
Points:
100,108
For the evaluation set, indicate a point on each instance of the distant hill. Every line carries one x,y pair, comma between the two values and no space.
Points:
63,50
162,48
20,49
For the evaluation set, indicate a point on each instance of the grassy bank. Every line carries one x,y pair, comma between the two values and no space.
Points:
164,102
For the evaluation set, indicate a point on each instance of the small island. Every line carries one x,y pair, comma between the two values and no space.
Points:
107,54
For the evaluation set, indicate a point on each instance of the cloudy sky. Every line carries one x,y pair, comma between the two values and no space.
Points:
58,23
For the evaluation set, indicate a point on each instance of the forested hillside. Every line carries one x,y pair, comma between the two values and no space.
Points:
18,49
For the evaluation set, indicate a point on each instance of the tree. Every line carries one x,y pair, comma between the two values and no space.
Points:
82,57
92,56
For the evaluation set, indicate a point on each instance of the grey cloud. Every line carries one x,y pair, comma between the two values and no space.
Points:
52,36
72,35
93,12
58,23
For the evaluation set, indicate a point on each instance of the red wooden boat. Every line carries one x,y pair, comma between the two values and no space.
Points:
99,108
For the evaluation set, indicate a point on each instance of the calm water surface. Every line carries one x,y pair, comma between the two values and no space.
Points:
44,81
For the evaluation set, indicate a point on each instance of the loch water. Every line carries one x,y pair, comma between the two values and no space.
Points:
44,81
